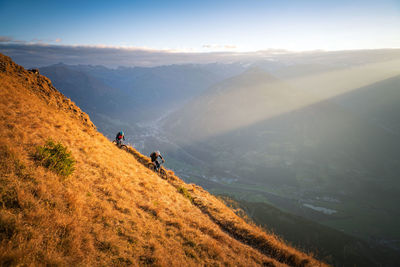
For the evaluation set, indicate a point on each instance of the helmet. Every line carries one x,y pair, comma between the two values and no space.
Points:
158,152
121,133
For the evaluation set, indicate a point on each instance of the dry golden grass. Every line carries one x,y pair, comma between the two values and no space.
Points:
111,210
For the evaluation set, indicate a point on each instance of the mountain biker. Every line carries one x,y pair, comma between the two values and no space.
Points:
154,156
120,136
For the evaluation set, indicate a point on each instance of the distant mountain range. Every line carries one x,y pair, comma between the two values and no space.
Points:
135,94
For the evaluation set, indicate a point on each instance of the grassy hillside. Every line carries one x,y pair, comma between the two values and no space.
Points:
111,210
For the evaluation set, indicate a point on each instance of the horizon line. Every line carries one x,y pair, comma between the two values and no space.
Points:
229,50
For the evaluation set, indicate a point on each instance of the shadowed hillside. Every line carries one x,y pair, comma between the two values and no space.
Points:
111,210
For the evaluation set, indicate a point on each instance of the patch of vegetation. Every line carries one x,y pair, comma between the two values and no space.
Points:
7,227
147,260
9,198
182,190
55,157
149,210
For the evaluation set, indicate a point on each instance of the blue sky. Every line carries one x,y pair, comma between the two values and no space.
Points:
246,25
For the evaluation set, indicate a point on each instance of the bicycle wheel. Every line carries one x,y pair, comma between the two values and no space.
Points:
124,147
151,166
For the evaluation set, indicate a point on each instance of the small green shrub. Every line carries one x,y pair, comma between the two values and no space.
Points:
55,157
185,193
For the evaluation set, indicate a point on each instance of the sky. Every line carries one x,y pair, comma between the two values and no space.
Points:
243,25
202,26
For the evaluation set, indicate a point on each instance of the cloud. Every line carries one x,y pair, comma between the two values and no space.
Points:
9,39
5,39
42,54
230,46
38,41
219,47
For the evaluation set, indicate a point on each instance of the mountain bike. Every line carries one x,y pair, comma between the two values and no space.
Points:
161,171
121,146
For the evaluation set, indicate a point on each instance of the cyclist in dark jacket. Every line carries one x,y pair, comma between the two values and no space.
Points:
154,158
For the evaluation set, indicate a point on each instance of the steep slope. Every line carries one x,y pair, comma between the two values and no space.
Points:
111,210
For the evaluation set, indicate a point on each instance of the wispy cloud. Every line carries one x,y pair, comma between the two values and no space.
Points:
220,47
9,39
5,39
43,54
